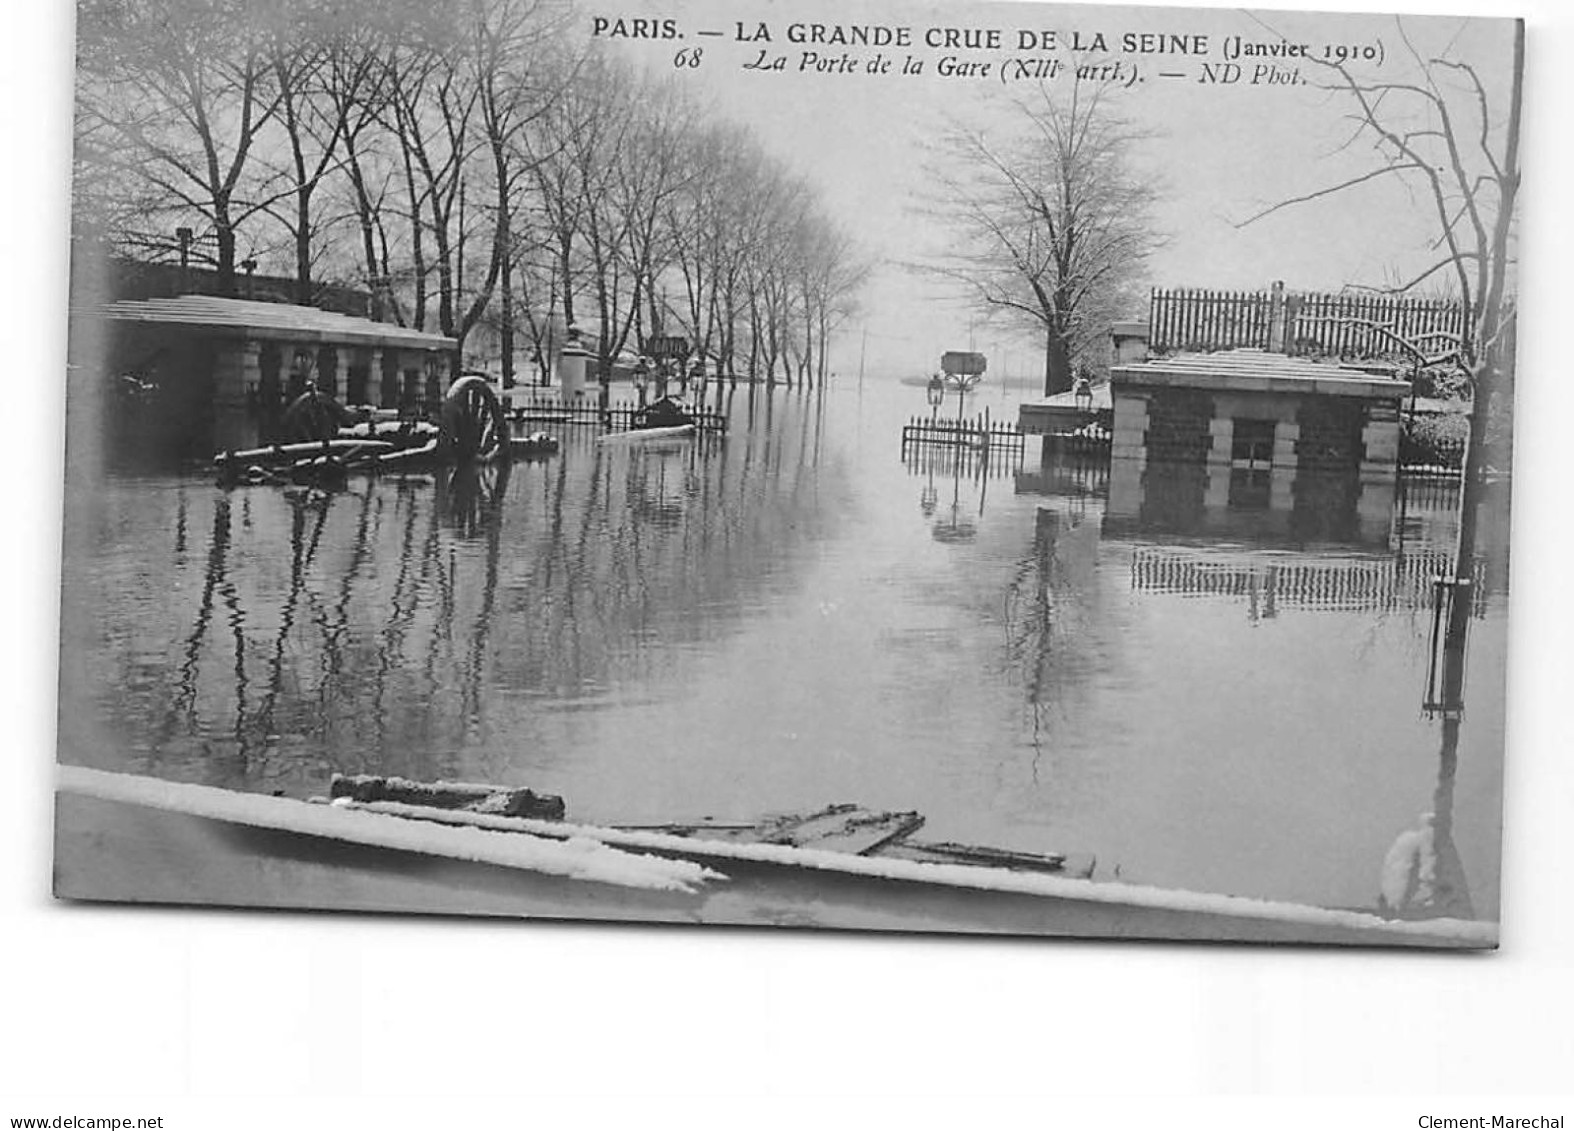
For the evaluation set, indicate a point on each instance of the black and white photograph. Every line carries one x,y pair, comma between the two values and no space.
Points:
965,468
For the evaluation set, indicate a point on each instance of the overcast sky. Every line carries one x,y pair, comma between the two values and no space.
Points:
1221,151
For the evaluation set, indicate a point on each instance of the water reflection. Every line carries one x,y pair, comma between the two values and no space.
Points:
1203,691
393,626
1332,548
955,519
1263,506
1423,876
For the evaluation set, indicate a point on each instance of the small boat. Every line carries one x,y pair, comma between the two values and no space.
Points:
452,848
664,419
534,444
645,435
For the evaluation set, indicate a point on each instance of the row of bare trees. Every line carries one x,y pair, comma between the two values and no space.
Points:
459,159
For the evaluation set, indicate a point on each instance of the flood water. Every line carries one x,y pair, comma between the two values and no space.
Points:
1216,687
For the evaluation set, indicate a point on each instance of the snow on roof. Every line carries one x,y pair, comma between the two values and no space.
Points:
246,318
1248,370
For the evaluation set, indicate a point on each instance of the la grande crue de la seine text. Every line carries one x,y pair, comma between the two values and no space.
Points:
955,38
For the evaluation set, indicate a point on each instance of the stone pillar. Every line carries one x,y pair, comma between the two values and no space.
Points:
1129,427
1125,488
1277,329
375,394
1380,442
572,361
1374,511
237,374
1216,493
1221,434
1286,435
410,375
1281,485
432,388
1128,343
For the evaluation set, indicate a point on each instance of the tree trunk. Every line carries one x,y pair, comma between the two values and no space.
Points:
303,246
1057,363
505,336
225,232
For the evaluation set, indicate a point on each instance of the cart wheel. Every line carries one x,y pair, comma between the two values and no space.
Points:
473,428
313,415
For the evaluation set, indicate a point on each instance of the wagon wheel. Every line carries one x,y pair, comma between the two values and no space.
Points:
313,415
473,428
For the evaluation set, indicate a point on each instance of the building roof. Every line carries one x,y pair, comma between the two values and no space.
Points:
270,320
1257,371
1100,403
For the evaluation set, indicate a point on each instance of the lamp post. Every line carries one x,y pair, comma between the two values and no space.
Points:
935,392
641,377
963,383
962,371
1084,394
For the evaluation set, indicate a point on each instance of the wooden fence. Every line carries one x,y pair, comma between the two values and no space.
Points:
1198,320
1351,327
1346,326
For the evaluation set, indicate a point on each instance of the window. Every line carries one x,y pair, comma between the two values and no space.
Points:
1252,445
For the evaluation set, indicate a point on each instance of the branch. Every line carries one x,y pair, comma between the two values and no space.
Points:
1330,190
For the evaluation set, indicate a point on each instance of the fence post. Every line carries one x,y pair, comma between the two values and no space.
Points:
1276,318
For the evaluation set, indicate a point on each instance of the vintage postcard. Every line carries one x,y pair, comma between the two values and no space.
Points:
949,467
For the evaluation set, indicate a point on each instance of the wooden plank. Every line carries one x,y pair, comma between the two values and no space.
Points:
503,801
1079,865
842,828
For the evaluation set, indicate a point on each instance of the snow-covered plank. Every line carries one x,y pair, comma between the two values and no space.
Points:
843,828
573,856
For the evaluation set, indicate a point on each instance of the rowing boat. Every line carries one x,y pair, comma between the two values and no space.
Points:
127,838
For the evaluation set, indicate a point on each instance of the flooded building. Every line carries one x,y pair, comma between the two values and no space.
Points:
1255,409
1246,430
196,374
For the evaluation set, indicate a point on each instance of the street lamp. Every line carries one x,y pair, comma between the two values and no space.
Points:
963,383
1084,394
935,392
641,377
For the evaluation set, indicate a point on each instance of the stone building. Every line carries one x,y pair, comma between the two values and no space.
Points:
1247,430
188,376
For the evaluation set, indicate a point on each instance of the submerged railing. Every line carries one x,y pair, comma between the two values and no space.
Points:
973,432
1379,584
620,417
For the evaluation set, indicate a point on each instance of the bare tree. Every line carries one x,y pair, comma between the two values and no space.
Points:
1440,133
1051,224
313,127
180,114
